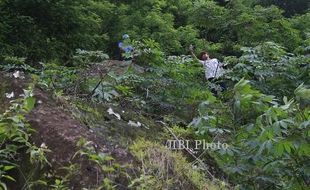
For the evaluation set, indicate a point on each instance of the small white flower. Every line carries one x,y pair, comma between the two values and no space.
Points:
16,74
40,102
111,112
133,124
10,95
43,145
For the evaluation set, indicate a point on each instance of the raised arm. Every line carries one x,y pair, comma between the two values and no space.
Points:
192,53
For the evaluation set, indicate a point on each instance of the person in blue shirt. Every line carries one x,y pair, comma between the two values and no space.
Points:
126,49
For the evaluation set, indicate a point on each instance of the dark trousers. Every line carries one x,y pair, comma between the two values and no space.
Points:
221,83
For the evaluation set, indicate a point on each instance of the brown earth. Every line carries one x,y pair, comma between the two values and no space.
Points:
60,131
60,126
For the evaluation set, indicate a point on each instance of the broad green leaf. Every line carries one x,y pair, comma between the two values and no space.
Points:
29,103
8,177
279,149
287,146
7,168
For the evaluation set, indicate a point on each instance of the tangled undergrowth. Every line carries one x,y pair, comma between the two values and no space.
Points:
268,135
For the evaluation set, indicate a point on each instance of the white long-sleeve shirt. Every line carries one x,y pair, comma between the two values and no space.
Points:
213,68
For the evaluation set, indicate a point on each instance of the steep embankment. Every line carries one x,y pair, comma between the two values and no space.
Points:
129,139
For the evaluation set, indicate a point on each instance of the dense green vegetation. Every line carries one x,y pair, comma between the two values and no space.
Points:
49,30
263,115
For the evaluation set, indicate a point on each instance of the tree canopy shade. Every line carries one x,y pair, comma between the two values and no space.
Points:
43,30
48,29
291,8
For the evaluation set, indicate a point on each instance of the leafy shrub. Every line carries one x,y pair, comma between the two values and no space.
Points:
267,66
84,58
15,135
58,77
10,63
268,139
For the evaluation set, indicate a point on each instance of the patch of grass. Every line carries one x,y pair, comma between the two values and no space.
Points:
162,169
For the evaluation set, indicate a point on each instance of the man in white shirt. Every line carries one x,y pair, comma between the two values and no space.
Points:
213,68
